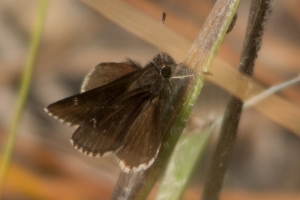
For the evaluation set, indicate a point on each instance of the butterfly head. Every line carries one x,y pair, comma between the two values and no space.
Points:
164,63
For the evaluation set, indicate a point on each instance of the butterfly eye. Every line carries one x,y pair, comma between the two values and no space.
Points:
166,72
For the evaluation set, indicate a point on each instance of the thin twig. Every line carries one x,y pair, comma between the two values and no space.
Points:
259,12
271,91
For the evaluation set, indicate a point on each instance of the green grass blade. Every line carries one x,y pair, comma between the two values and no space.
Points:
185,157
24,88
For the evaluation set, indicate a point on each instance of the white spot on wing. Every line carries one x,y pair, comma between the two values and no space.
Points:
108,153
75,101
97,155
125,168
86,80
68,123
48,112
90,153
94,122
57,118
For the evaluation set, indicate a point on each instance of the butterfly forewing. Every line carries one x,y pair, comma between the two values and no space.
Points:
105,73
76,109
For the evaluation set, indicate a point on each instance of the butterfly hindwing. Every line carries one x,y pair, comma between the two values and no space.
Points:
144,135
97,137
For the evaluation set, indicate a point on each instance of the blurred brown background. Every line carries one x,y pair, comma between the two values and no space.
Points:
266,161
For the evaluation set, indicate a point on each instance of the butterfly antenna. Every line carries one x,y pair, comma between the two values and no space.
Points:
161,30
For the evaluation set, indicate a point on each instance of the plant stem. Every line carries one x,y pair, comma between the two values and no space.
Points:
259,11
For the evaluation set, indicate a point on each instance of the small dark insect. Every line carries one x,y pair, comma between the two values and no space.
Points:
121,110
